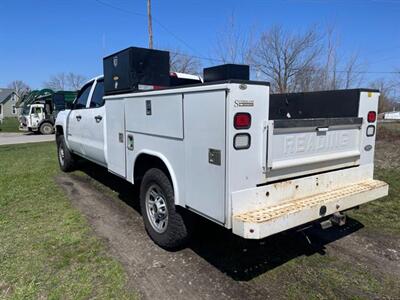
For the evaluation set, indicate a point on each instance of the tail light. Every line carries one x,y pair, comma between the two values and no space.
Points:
242,121
371,117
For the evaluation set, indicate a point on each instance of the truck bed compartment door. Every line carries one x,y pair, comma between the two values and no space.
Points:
205,153
115,136
304,146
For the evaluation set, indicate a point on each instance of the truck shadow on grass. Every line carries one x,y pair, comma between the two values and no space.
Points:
239,258
245,259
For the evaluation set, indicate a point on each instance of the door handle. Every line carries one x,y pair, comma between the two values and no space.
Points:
98,118
78,117
322,129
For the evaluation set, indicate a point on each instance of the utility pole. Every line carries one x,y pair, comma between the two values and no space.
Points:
150,24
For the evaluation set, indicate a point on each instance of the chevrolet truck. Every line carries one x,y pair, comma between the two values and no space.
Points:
225,149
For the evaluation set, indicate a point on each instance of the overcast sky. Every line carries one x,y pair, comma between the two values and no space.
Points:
44,37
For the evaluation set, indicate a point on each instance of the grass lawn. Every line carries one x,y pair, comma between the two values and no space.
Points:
9,125
383,215
47,249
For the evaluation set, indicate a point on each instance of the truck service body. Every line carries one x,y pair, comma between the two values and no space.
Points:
232,152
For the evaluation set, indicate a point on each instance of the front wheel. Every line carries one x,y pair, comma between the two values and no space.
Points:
164,224
66,159
46,128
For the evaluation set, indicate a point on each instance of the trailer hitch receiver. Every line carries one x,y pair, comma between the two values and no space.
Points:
338,219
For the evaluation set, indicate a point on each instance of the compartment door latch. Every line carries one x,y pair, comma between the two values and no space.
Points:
214,156
130,142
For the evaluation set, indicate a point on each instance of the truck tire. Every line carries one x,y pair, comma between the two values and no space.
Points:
66,159
46,128
164,224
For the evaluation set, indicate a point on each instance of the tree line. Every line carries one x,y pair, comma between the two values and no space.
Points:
295,61
58,82
292,61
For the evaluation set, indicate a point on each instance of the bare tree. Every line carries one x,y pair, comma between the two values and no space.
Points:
75,81
340,73
305,61
233,45
20,88
336,69
397,80
329,77
184,63
65,81
281,56
307,79
57,82
353,72
387,97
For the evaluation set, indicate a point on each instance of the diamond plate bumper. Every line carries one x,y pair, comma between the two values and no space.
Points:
268,220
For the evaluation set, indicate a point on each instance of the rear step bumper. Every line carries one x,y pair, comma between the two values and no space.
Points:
268,220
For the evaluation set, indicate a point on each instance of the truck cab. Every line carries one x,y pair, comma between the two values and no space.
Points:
83,124
32,120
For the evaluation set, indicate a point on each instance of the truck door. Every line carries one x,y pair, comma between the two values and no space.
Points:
36,115
94,125
76,128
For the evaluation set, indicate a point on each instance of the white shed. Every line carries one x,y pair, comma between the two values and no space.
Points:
392,115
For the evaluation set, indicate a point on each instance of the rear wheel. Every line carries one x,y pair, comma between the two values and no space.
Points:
46,128
164,224
66,159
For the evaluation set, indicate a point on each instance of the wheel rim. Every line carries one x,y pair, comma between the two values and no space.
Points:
156,208
47,129
61,155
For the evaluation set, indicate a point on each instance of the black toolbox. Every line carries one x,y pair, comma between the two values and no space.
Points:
226,72
127,70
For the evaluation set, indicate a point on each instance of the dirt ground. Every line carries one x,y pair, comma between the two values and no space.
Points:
338,263
154,272
387,155
387,148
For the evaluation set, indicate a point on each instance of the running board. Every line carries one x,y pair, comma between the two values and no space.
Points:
268,220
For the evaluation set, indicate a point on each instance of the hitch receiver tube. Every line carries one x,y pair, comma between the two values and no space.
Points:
338,219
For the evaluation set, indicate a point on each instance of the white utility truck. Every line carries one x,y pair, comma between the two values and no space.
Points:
255,163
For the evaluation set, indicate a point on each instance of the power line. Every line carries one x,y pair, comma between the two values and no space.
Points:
145,16
211,59
121,9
